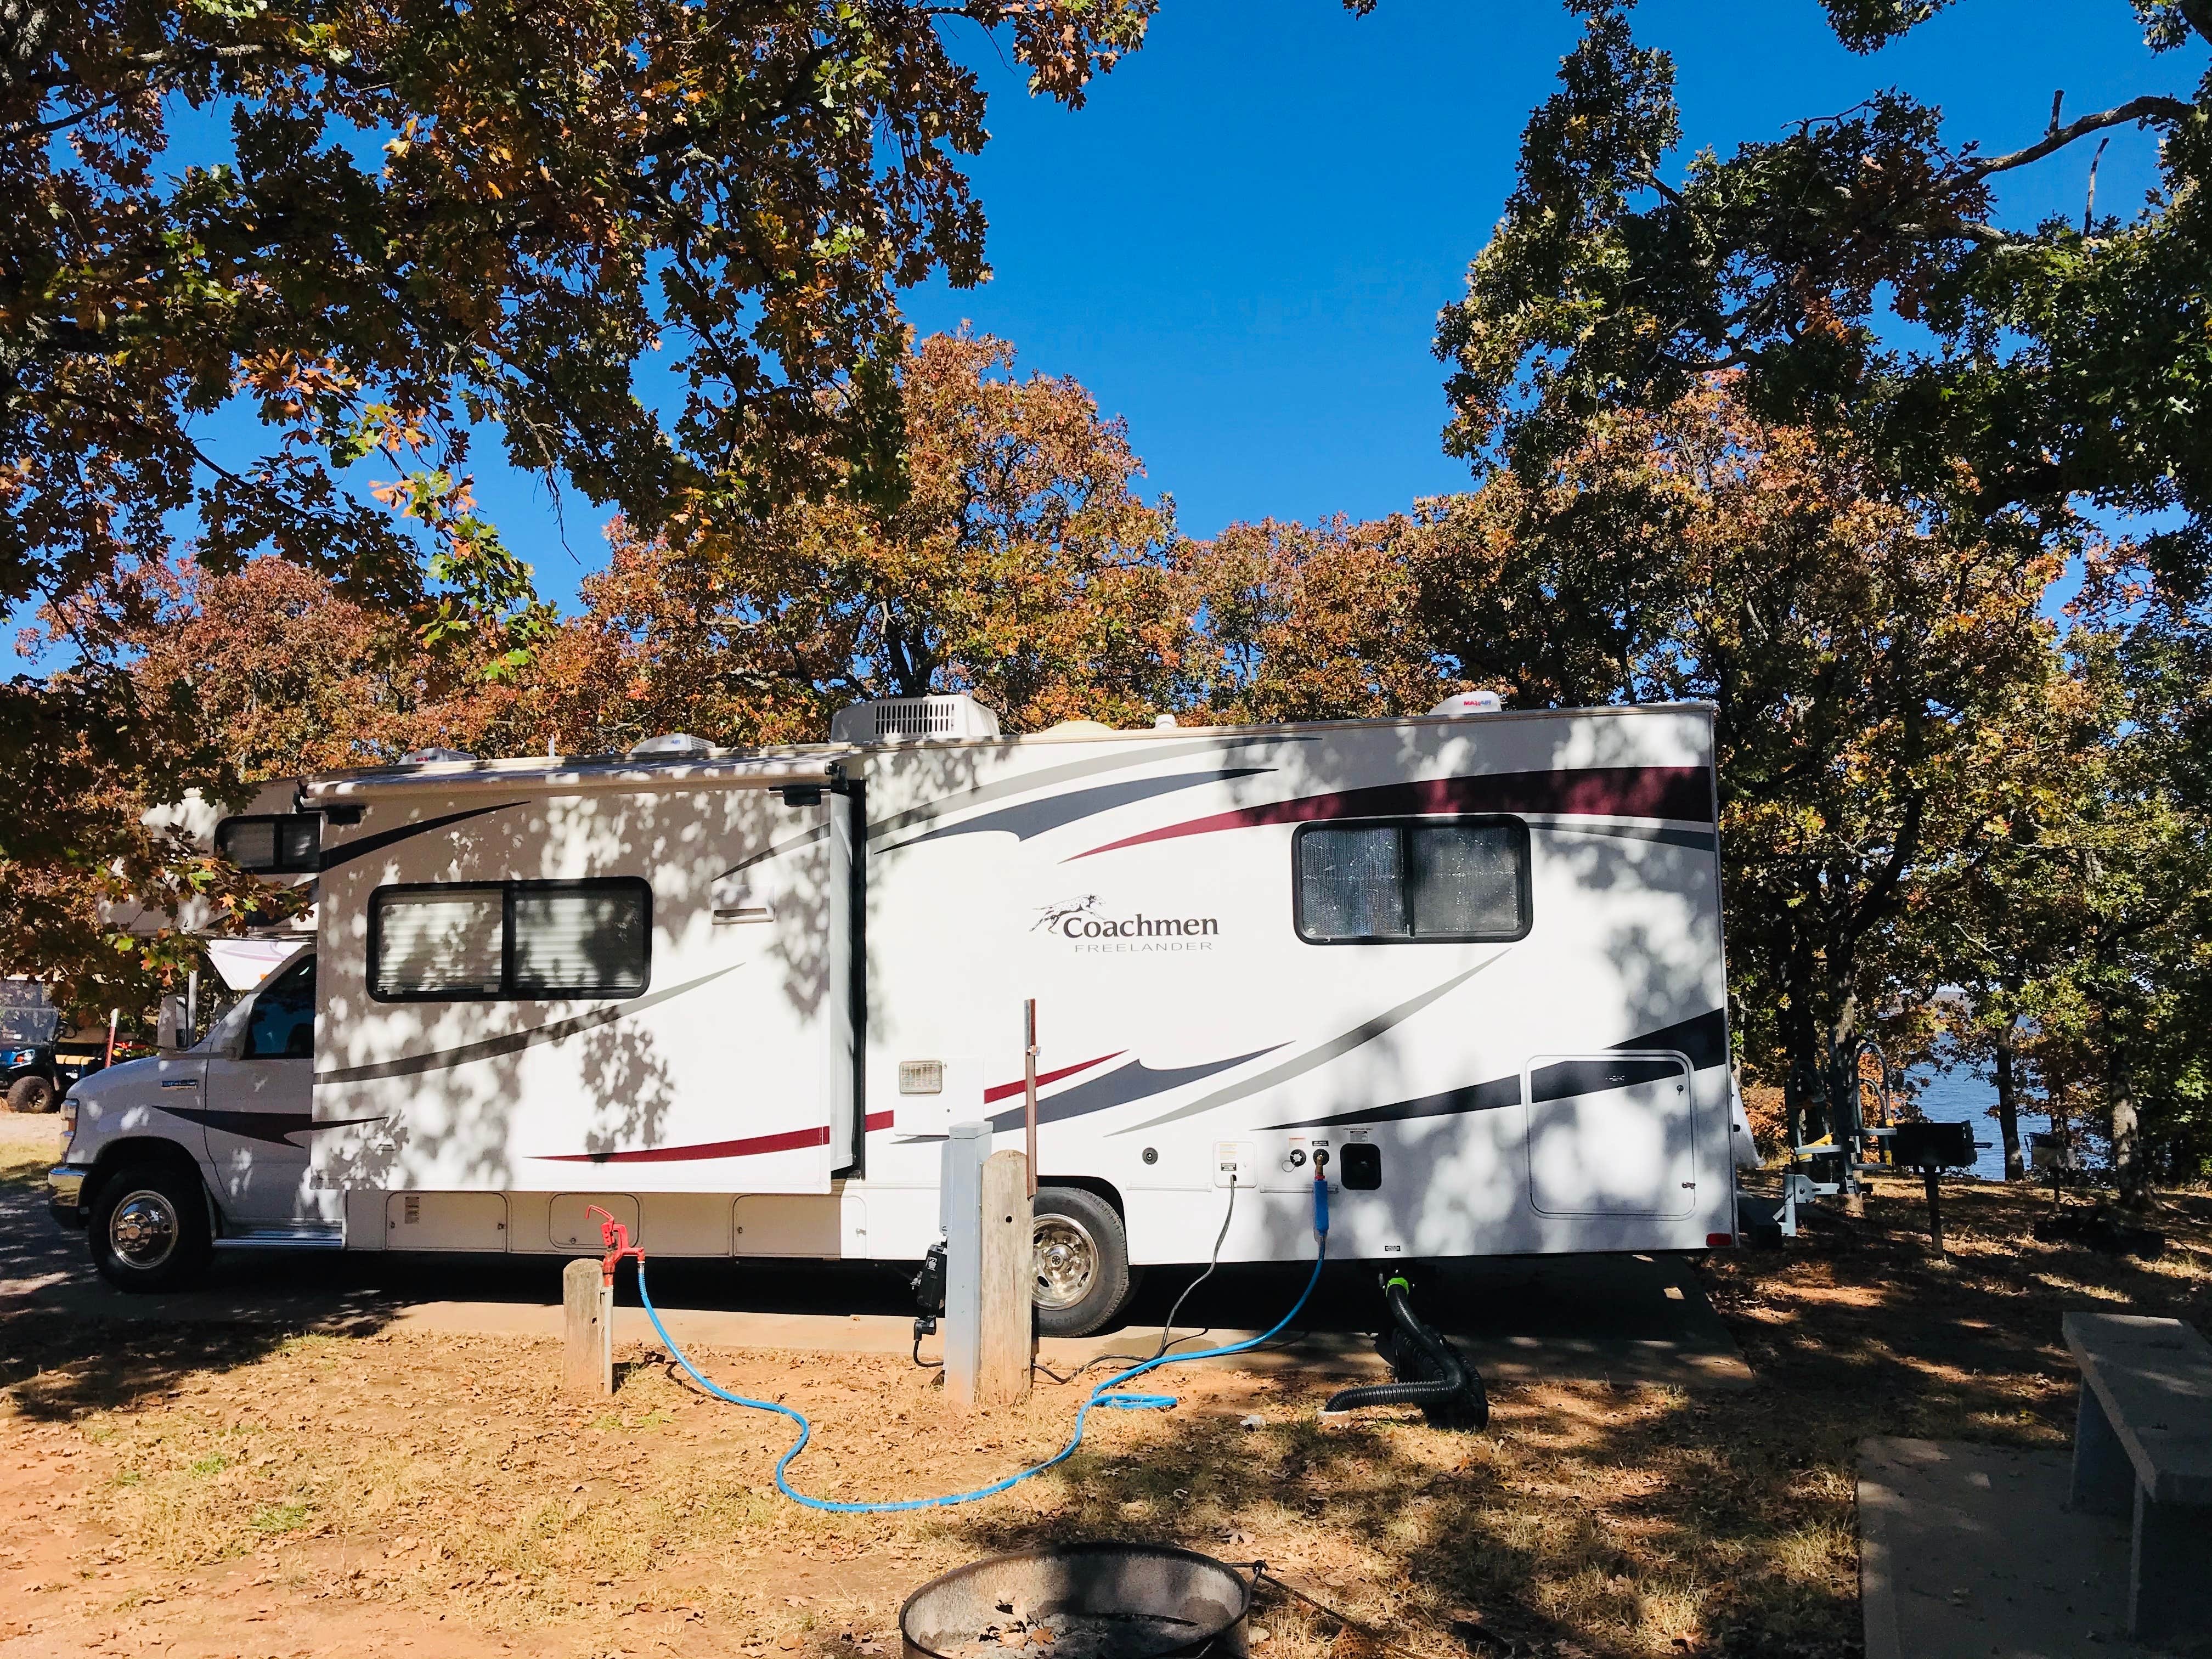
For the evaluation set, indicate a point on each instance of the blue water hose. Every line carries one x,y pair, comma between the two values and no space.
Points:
1104,1394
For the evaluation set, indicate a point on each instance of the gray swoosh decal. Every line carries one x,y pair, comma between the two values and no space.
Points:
1135,1081
777,849
272,1128
346,851
1703,1039
1704,841
1052,775
1035,818
1473,1098
1299,1065
514,1042
1044,779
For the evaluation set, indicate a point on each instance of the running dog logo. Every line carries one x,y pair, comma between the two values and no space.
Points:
1050,916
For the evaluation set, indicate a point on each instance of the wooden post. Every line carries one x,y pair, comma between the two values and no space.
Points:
1002,1373
1935,1209
587,1361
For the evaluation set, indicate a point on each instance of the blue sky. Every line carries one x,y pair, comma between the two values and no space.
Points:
1241,243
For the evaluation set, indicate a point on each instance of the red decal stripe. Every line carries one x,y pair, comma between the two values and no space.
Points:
789,1140
1007,1091
1680,793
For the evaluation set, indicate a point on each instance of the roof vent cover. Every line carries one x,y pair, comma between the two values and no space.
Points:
1468,702
672,745
434,756
888,720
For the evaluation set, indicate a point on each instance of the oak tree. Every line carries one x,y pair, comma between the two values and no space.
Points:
2042,364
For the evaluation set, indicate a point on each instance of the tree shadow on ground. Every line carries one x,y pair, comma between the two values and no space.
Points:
1587,1519
1591,1520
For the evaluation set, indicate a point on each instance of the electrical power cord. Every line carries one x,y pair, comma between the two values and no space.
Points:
1104,1394
1167,1338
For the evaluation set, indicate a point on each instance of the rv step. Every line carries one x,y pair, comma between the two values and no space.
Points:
325,1236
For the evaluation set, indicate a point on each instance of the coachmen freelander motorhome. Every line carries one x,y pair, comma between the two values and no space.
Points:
737,999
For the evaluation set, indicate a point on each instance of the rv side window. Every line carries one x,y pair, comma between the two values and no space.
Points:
1457,879
579,939
272,844
514,940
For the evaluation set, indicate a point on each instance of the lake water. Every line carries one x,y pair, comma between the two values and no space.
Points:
1959,1096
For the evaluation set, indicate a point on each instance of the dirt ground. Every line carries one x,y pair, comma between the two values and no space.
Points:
202,1490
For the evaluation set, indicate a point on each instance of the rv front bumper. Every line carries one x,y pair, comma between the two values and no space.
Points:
65,1193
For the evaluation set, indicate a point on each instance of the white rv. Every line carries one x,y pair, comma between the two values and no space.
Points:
1472,965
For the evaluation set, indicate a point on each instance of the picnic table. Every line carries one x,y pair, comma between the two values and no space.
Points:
2142,1446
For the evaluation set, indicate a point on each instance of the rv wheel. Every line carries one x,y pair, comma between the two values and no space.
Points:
1082,1261
149,1228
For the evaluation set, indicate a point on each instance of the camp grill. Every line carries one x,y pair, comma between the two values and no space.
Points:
1932,1146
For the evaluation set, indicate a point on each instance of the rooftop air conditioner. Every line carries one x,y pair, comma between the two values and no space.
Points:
890,719
434,756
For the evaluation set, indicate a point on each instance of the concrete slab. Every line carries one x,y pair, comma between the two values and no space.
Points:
1968,1551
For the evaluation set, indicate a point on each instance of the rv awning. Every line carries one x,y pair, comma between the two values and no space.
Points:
561,778
245,963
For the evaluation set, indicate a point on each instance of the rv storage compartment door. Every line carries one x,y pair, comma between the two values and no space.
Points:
1611,1134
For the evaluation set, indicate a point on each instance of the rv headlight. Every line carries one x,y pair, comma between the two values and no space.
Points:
69,1122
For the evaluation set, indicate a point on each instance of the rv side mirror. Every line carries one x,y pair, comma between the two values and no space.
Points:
169,1032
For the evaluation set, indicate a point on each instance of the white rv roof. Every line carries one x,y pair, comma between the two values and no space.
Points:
729,769
805,763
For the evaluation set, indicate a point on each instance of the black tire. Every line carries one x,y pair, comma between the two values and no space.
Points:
149,1228
1083,1277
33,1094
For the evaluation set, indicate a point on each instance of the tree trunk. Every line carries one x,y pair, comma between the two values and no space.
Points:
1800,1090
2128,1175
2008,1100
1840,1045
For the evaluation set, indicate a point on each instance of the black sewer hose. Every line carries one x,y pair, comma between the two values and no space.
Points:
1428,1370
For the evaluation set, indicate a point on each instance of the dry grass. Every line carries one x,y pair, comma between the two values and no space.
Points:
442,1475
30,1143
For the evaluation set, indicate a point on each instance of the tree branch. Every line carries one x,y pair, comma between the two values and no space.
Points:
1987,235
2149,107
48,129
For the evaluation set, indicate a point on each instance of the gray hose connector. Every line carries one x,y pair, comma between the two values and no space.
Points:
1449,1394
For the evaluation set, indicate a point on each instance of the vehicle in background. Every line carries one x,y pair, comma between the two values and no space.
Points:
37,1063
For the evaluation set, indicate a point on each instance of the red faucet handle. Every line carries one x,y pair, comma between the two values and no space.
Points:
615,1238
612,1233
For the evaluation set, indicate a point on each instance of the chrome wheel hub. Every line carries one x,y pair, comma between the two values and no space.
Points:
142,1228
1066,1261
